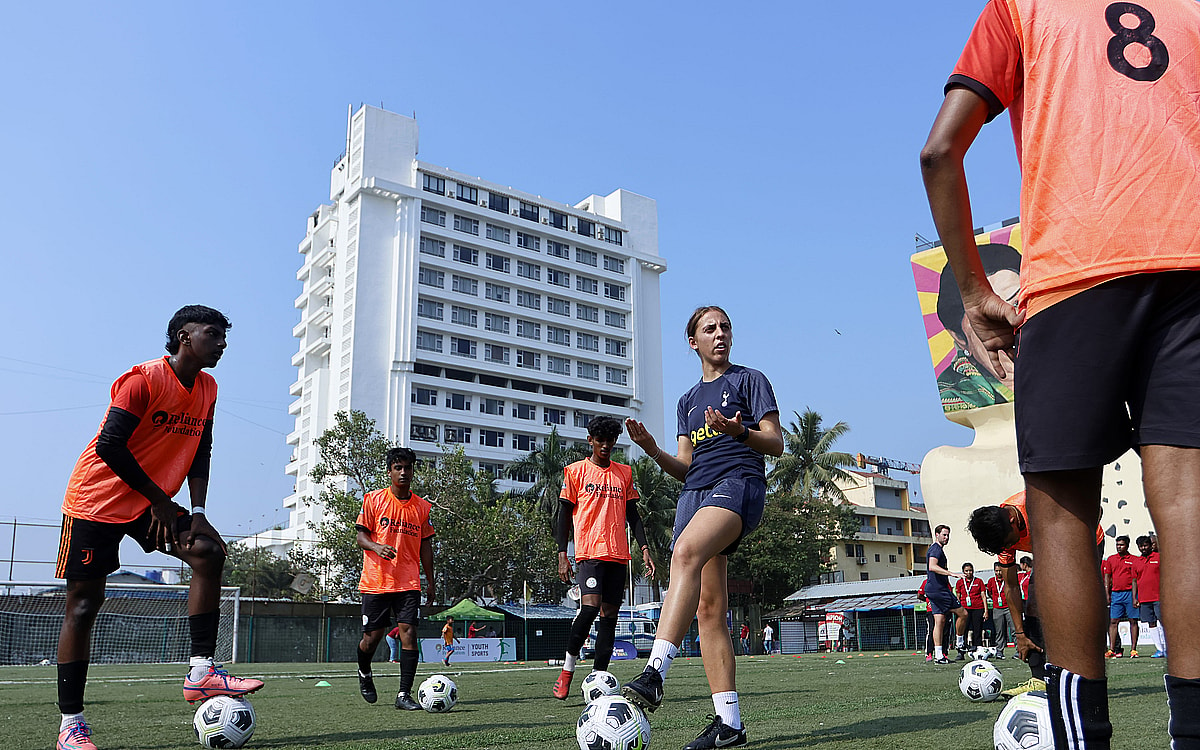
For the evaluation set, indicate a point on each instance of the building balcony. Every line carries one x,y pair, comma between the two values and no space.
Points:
294,407
873,536
297,388
317,346
297,361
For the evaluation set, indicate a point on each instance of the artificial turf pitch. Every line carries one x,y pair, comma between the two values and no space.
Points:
892,702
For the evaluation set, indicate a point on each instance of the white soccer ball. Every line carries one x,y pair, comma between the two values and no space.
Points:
224,721
1024,724
612,723
437,694
599,684
984,652
980,681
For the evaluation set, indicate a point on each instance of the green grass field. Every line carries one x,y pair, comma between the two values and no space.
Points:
890,702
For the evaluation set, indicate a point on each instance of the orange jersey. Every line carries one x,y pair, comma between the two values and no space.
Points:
448,634
164,442
402,524
1103,107
1009,556
598,497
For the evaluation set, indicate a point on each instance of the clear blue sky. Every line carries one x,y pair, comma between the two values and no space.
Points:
161,154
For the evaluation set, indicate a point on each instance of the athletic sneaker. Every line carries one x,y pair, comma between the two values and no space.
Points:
942,660
928,658
717,734
962,654
217,681
405,702
999,654
366,686
1032,683
1133,654
77,736
1110,654
1160,654
562,686
645,690
446,660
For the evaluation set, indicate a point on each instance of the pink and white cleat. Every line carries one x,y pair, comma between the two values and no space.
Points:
217,681
77,736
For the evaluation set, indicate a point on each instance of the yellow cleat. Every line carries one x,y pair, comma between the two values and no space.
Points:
1032,683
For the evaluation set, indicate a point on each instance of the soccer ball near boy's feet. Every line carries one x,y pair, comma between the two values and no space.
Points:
216,681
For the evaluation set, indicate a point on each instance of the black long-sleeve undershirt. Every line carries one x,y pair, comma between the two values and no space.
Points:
112,446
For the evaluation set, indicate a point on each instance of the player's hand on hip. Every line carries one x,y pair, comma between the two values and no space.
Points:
995,322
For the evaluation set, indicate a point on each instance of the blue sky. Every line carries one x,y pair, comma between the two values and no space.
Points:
161,154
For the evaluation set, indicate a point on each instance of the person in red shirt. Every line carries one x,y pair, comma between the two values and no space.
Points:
1120,570
597,502
396,537
970,593
1145,595
156,434
1002,621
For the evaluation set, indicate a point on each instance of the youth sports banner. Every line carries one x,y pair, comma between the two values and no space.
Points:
470,649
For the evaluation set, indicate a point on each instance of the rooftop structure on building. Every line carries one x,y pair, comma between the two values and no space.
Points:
455,310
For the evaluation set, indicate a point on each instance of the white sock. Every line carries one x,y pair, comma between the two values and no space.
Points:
569,663
937,653
726,706
68,720
1160,640
661,656
199,665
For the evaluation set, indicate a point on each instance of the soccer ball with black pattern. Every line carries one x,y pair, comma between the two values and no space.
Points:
1024,724
984,652
224,721
599,684
980,681
612,723
438,694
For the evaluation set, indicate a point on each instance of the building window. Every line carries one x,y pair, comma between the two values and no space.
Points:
430,342
530,211
493,406
462,347
499,234
529,270
616,375
587,341
492,439
558,249
529,360
496,292
615,347
558,220
891,558
430,277
560,336
527,329
529,299
467,193
586,284
586,228
455,434
876,558
464,316
524,411
490,468
427,308
465,285
582,418
557,277
498,203
529,241
614,291
558,365
497,323
524,442
467,255
466,224
613,236
616,265
588,313
430,246
497,263
558,306
433,184
864,576
497,354
849,550
554,416
614,319
423,432
431,215
458,401
585,256
587,370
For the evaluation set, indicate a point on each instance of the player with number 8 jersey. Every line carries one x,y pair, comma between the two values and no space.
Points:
1102,100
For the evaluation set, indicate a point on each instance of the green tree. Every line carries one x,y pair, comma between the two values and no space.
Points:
659,493
545,466
809,467
259,572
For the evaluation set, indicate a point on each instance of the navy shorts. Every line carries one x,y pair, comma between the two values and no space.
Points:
377,609
745,496
1151,612
1110,368
941,602
604,577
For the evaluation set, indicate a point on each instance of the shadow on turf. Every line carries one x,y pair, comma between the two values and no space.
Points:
386,734
875,729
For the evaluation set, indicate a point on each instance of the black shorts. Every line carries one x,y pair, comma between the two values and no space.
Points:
377,609
1108,369
88,550
603,577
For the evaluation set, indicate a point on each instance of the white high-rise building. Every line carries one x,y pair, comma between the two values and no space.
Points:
455,310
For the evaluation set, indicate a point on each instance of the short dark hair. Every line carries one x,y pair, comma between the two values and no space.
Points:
990,527
401,456
938,529
604,427
950,310
192,314
1123,538
1143,539
970,565
1026,560
699,313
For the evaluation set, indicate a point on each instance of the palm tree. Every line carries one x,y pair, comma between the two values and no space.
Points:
659,493
809,467
545,465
